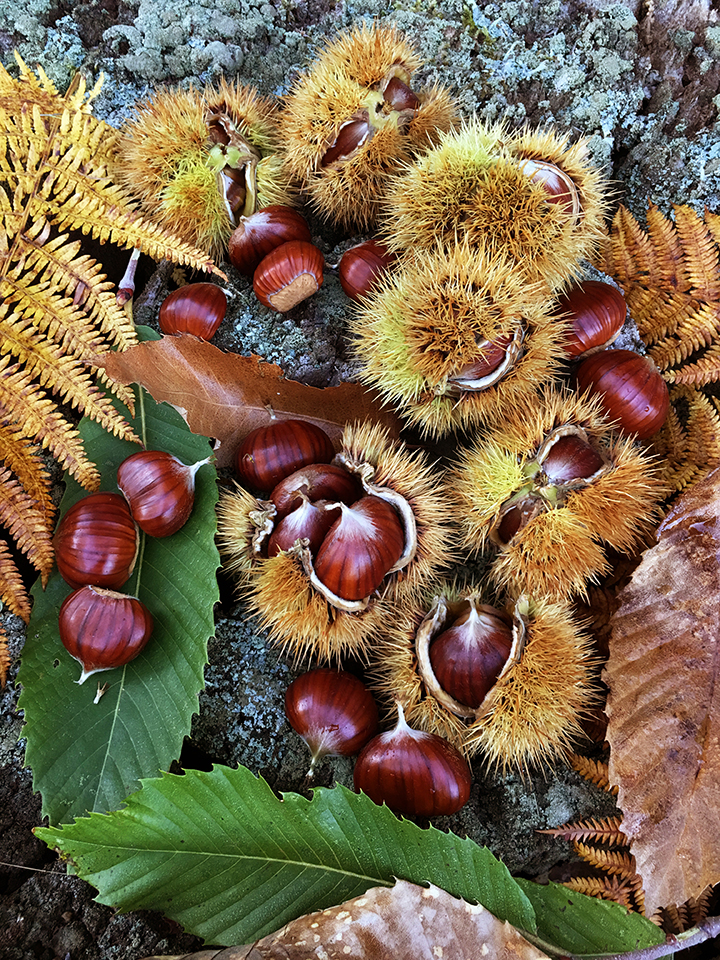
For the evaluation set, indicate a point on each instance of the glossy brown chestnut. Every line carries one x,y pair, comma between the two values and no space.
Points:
310,521
360,548
160,490
96,542
269,454
362,266
597,311
103,629
558,186
196,308
317,481
468,656
631,389
400,96
333,711
416,773
255,236
571,458
350,137
288,275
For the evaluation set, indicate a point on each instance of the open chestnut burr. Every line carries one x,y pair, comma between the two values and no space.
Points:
326,596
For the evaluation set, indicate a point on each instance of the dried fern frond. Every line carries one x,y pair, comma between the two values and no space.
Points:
603,888
57,308
618,862
606,830
4,658
592,770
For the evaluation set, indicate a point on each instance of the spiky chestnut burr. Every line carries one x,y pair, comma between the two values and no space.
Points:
548,517
530,715
353,119
455,337
198,160
303,615
482,181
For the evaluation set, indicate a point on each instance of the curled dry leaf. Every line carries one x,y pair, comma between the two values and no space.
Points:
405,922
226,395
664,703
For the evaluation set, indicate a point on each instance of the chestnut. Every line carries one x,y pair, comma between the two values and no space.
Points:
416,773
318,481
196,308
333,711
256,235
160,490
362,266
631,389
103,629
569,457
310,521
270,453
288,275
468,657
559,187
360,549
597,312
96,542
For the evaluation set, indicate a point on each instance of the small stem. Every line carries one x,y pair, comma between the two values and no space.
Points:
126,287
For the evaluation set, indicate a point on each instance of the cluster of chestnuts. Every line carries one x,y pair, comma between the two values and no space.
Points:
468,313
413,772
96,545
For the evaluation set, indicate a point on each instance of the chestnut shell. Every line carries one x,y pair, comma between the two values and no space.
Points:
103,629
270,453
96,542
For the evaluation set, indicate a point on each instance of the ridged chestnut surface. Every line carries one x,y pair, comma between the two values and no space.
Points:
468,656
333,711
196,308
160,490
288,275
630,387
360,548
318,481
310,521
597,312
96,542
361,267
258,234
416,773
269,454
571,458
103,629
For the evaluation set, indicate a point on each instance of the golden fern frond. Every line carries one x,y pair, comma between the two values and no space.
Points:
606,830
629,252
693,333
658,313
24,461
58,311
703,427
669,258
12,589
4,657
26,523
603,888
611,861
39,420
671,447
700,253
592,770
703,371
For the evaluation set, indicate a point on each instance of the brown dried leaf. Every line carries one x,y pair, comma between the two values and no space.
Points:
226,395
664,702
405,922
